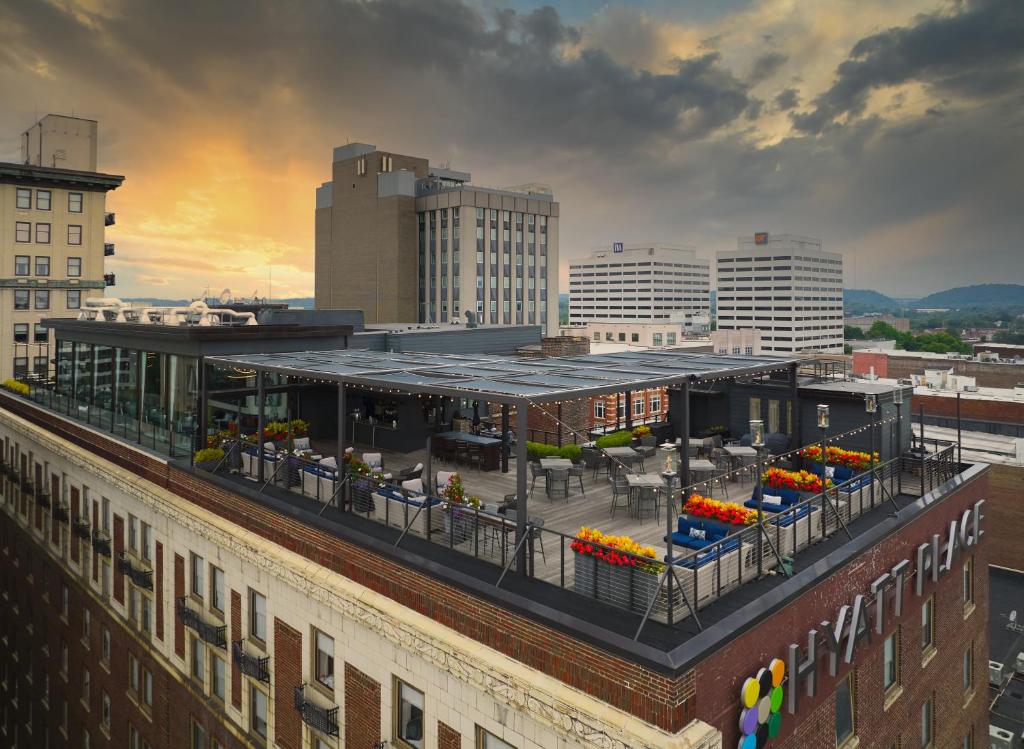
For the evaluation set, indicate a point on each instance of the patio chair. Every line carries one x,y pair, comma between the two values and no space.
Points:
537,533
475,456
374,460
536,472
647,496
462,452
406,474
576,472
441,480
620,489
558,483
593,459
269,446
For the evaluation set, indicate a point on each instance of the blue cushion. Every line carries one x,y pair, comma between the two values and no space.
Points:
861,483
701,559
766,506
842,473
784,521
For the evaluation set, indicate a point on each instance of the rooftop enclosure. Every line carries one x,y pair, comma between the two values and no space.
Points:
507,527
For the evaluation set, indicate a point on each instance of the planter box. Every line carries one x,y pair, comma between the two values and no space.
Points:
459,525
362,497
585,575
207,465
645,588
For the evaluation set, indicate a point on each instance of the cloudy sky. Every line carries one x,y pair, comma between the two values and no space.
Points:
892,130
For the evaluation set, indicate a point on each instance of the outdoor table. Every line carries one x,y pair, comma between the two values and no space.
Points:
702,466
639,481
490,446
617,456
740,455
548,463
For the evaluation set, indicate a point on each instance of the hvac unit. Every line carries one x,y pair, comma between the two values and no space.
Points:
970,388
999,738
995,673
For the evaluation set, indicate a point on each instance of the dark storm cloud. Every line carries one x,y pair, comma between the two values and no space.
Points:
977,51
766,65
787,99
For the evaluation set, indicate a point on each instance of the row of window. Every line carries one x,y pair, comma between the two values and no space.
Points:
44,199
22,298
23,265
23,233
601,406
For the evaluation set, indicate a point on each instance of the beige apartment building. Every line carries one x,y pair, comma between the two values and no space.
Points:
407,242
53,219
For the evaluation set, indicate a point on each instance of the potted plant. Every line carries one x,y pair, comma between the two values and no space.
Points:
362,485
727,513
459,519
208,458
615,569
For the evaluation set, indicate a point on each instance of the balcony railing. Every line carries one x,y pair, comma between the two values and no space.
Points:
109,279
251,665
82,529
108,249
61,513
101,542
43,499
323,719
141,577
27,486
207,632
109,219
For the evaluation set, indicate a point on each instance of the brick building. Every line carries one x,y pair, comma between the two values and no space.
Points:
899,365
226,614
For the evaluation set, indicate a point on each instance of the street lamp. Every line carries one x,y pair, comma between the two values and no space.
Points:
670,461
871,407
757,442
823,426
897,399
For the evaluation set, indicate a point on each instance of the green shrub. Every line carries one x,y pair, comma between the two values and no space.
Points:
208,454
622,438
538,450
570,452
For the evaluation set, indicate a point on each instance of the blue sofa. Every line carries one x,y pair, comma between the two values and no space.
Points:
784,521
839,473
695,562
789,497
713,532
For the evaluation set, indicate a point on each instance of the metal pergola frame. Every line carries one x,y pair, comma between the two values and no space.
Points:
509,381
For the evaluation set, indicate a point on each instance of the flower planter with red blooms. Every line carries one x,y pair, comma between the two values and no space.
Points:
727,513
799,481
615,569
837,456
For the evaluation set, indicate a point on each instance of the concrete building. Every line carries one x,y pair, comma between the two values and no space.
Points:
640,334
787,287
745,341
53,219
407,242
902,324
986,368
641,283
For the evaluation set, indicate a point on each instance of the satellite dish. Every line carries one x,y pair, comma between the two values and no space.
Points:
225,296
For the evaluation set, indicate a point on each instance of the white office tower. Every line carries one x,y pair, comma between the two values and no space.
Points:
641,283
785,286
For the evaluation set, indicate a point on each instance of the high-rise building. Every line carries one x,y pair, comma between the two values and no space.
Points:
408,242
641,282
52,237
787,287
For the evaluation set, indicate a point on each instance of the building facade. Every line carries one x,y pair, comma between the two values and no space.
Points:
787,287
745,341
408,242
53,220
641,283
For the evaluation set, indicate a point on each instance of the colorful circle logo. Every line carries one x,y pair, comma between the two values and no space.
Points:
761,701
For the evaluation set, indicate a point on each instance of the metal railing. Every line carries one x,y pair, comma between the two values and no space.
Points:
82,529
323,719
141,577
211,633
101,542
61,512
251,665
43,498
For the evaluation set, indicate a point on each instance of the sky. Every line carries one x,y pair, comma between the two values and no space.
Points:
894,131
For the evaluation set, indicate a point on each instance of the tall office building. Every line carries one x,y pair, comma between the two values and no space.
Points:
404,241
640,283
52,236
787,287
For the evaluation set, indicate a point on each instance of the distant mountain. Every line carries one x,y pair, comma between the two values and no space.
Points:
982,295
859,301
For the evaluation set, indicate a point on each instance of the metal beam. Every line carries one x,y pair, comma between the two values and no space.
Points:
260,403
522,420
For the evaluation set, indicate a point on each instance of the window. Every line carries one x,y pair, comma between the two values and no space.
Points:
655,403
133,533
409,715
43,237
105,645
487,740
773,416
21,332
968,581
74,298
74,234
43,200
197,575
134,673
198,660
620,407
147,687
656,339
105,711
85,687
216,588
42,299
24,198
257,615
597,335
40,333
844,710
926,723
74,267
323,660
147,535
74,202
257,711
217,676
754,409
599,408
968,680
85,739
86,624
134,742
20,367
928,624
21,265
622,337
22,231
891,661
198,736
64,658
638,406
748,351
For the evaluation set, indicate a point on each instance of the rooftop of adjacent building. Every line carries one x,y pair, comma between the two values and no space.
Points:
30,174
629,251
978,357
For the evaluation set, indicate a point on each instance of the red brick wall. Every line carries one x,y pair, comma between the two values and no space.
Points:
864,360
158,602
1010,412
118,549
447,737
1005,515
179,591
287,676
164,726
236,634
362,710
721,676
